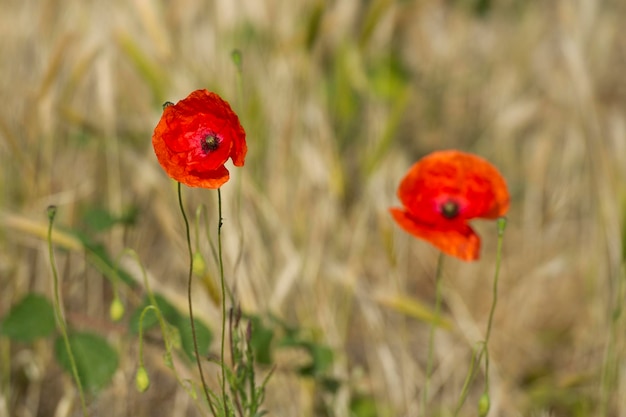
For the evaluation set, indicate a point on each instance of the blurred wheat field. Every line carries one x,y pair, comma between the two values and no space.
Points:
338,99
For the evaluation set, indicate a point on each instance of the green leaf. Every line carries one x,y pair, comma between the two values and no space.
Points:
30,319
203,337
321,359
96,361
101,220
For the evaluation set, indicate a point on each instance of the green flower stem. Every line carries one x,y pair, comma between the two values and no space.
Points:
223,288
142,384
141,319
501,228
189,280
431,336
483,346
59,314
476,358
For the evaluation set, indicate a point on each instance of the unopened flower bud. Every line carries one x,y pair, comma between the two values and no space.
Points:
483,405
142,380
116,310
199,266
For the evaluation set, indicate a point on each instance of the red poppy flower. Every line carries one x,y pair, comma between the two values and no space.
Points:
196,136
444,190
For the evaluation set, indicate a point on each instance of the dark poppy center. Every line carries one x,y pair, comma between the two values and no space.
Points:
450,209
210,143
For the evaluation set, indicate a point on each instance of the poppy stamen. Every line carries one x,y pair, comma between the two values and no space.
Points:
210,143
450,209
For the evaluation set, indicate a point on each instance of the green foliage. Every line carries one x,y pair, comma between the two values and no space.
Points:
30,319
177,320
321,358
96,360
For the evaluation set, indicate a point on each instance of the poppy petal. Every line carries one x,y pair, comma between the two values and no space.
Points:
196,136
469,181
460,241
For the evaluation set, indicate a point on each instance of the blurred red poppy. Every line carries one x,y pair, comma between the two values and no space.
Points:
196,136
444,190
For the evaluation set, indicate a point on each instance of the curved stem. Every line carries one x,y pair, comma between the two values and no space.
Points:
59,314
189,279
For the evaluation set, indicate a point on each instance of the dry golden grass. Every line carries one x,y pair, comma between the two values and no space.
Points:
538,89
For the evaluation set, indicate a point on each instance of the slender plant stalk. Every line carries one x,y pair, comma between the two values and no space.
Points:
477,355
483,348
223,287
59,314
189,280
501,227
141,320
431,336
